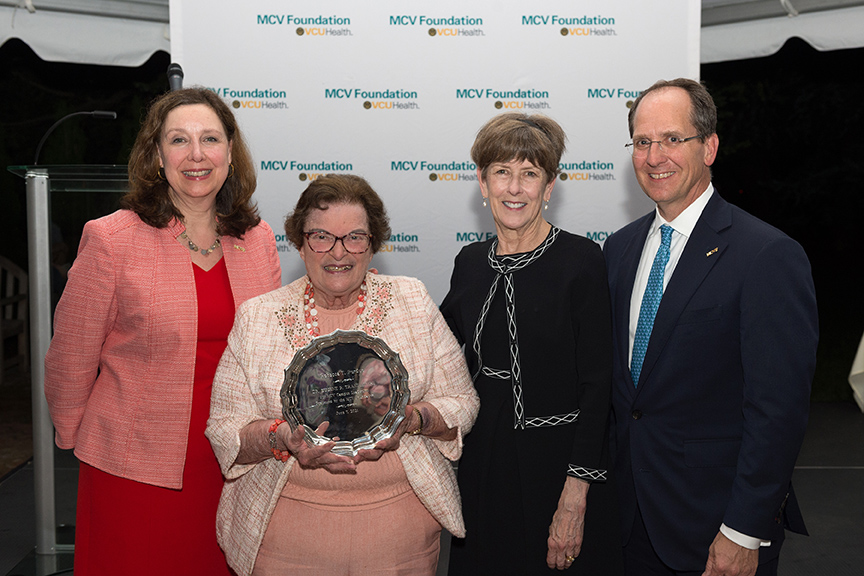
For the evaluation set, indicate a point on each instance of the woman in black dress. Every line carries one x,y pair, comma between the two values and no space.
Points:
532,309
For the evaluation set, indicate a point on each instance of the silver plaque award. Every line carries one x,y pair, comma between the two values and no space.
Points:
351,380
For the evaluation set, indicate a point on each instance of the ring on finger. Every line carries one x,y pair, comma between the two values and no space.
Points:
570,558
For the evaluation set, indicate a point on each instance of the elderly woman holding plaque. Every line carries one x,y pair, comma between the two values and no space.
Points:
302,497
532,308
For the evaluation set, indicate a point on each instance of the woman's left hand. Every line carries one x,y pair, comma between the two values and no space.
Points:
568,524
421,418
410,422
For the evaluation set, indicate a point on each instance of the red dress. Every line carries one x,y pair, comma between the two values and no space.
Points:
128,527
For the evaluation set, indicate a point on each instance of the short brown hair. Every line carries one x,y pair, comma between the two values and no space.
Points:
703,111
518,136
332,189
148,194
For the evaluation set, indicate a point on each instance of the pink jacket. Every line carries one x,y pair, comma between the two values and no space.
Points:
119,370
267,332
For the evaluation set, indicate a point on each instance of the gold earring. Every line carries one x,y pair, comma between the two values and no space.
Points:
230,170
160,173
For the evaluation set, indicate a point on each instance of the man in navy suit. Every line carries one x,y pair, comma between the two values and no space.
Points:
711,387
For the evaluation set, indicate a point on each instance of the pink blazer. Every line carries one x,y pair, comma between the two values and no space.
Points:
119,370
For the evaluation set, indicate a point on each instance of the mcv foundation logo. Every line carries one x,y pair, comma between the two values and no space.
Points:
587,171
480,236
442,26
401,242
438,171
580,26
306,170
309,26
523,99
254,99
613,92
387,99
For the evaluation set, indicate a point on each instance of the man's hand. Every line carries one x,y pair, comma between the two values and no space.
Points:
726,558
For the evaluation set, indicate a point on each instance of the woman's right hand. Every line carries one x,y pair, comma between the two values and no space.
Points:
317,456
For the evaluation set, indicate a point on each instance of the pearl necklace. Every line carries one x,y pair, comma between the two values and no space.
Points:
194,247
311,312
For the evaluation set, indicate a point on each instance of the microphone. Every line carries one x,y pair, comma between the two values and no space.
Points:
175,76
101,114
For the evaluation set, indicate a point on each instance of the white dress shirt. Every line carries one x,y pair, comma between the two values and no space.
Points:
682,229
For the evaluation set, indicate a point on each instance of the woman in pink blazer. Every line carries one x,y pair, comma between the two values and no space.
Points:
138,334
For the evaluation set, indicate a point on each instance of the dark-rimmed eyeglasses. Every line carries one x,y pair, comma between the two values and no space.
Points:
353,242
641,146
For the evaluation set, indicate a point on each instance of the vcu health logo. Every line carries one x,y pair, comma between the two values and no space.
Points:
444,171
529,98
254,99
313,26
401,242
585,171
579,26
443,27
282,243
386,99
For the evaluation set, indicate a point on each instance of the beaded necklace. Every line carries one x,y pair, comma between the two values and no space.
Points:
311,312
194,247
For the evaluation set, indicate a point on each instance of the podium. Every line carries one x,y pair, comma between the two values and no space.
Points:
94,191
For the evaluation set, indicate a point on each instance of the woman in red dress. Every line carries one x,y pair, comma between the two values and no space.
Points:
139,332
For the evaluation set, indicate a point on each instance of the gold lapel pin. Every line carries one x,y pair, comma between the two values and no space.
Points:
709,253
242,249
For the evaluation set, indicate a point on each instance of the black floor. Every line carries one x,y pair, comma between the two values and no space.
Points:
829,481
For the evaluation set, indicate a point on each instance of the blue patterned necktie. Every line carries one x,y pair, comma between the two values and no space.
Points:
650,303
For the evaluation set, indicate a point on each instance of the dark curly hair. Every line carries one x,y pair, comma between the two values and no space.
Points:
332,189
148,194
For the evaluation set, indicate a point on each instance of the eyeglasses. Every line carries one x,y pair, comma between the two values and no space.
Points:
354,242
641,146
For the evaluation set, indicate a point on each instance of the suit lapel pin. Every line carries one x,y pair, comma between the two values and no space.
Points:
242,249
710,252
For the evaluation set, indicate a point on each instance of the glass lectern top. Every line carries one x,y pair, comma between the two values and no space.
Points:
79,177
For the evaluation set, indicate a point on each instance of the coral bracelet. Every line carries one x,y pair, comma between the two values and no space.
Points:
282,455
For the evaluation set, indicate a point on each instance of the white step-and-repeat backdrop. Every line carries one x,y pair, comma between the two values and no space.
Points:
395,91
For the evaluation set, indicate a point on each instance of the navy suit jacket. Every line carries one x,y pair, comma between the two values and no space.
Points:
711,433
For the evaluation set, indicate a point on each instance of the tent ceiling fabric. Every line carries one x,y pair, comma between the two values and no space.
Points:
824,30
152,10
127,32
739,29
107,32
715,12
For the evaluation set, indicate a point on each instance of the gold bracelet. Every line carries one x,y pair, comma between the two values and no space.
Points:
419,428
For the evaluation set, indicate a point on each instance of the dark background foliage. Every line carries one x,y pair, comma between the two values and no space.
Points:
791,153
